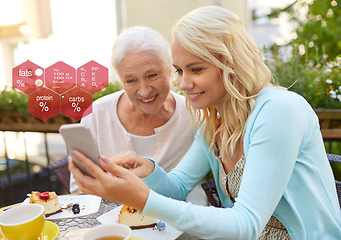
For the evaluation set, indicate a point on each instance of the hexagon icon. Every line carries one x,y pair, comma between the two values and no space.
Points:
44,103
76,103
60,77
28,77
92,77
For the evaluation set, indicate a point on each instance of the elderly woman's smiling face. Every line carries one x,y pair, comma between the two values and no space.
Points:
145,79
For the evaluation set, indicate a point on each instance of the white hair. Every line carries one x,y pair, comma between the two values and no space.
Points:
138,39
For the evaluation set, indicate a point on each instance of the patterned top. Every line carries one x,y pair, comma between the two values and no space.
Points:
230,183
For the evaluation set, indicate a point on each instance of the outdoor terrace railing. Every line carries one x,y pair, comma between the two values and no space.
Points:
45,180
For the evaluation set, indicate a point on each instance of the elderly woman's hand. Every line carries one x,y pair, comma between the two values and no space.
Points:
121,186
141,166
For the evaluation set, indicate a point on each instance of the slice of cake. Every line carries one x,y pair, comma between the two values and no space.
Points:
49,200
129,216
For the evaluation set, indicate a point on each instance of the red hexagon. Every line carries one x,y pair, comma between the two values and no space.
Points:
76,103
92,77
60,77
28,77
44,103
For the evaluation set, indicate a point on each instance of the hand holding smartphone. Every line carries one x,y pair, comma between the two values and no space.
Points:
78,137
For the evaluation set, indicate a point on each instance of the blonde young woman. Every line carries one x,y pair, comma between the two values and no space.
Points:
262,142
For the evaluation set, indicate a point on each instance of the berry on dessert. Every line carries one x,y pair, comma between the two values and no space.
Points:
160,226
44,195
75,208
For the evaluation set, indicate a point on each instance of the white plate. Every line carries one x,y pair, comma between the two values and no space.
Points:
169,233
88,204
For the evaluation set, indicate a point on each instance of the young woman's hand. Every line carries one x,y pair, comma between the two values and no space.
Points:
121,186
141,166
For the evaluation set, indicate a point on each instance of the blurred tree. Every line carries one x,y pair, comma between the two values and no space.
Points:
320,31
317,27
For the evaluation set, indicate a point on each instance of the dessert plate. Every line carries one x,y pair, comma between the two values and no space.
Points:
88,204
169,233
50,232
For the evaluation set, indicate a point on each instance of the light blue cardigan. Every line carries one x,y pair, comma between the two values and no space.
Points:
286,175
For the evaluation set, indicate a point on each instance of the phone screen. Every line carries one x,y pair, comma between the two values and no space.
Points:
78,136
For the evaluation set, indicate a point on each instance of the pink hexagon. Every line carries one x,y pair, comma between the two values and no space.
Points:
44,103
92,77
60,77
76,103
28,77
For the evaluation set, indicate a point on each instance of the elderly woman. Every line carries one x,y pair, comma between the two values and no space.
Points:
146,117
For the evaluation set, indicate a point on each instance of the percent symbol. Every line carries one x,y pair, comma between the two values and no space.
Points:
75,107
21,83
43,106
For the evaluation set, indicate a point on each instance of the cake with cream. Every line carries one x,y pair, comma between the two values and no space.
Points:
49,200
129,216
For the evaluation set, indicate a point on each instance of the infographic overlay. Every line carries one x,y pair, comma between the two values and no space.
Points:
60,88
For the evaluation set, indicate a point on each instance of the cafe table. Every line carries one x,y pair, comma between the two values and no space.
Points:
74,228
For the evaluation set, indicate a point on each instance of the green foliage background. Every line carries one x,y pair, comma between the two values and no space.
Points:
12,100
319,83
321,29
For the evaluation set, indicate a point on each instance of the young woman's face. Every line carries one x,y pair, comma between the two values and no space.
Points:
200,80
145,79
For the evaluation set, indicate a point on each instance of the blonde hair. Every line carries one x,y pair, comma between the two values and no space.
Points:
213,31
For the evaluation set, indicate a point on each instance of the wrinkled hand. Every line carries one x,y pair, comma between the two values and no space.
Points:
122,186
141,166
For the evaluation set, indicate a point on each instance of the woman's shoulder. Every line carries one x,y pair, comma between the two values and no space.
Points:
108,99
180,102
279,97
178,97
104,107
281,103
275,93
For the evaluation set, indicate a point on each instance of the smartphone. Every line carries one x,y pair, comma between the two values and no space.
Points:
78,137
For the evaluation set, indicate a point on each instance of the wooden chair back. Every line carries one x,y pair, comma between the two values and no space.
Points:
333,158
61,170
